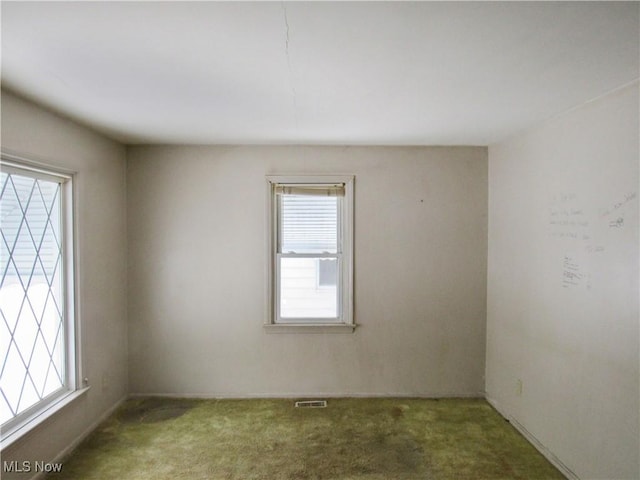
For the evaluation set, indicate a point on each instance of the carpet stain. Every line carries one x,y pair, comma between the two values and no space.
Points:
154,409
365,451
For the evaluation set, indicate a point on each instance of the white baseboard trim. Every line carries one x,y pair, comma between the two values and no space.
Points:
289,395
87,431
548,454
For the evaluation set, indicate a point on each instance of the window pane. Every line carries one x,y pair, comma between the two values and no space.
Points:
32,327
327,272
309,224
300,295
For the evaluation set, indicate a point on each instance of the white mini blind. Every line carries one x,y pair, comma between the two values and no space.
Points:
309,222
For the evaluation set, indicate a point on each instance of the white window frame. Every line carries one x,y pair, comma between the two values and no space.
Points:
344,323
73,387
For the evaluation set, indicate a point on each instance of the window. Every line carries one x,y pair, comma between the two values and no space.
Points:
37,351
310,253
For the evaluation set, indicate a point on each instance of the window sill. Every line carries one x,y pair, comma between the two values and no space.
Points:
18,431
309,328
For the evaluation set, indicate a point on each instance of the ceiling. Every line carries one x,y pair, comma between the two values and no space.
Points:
356,73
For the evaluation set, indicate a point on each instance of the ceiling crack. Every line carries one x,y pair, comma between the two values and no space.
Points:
291,82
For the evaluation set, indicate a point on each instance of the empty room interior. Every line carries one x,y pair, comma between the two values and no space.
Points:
320,240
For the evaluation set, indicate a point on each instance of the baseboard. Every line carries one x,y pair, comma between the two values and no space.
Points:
548,454
85,433
247,396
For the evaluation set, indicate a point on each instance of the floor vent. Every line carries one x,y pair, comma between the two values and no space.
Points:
312,404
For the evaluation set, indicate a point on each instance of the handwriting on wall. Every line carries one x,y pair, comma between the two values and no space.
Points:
567,222
586,231
618,204
568,219
572,272
617,223
614,213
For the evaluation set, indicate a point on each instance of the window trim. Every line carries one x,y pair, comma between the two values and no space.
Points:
20,425
345,280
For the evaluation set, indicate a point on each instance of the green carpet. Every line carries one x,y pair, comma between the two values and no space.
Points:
350,439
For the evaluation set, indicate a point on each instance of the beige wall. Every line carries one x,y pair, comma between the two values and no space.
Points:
34,133
562,357
196,223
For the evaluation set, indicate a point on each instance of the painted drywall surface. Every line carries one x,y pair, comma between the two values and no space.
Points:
197,262
37,134
562,329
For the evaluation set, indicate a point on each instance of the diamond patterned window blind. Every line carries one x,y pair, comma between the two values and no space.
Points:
32,328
